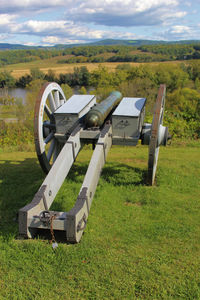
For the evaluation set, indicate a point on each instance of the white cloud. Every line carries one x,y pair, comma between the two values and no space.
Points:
56,28
43,26
6,19
61,31
49,40
104,12
120,7
3,37
6,23
125,12
13,6
29,43
180,29
180,32
53,40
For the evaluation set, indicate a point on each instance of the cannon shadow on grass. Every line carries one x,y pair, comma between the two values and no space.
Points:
120,174
20,180
113,172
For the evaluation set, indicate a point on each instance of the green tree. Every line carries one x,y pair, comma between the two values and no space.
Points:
23,81
50,76
83,90
67,90
172,75
185,101
36,73
101,77
193,69
6,79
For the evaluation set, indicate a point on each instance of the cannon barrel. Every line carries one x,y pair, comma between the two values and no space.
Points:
98,113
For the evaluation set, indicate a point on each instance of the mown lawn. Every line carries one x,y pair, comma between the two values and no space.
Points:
141,242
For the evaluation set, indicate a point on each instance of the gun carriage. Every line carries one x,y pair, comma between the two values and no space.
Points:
61,128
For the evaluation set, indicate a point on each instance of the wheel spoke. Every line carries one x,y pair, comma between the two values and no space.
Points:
46,124
49,125
55,155
49,138
162,115
52,102
51,149
57,99
48,111
57,150
62,101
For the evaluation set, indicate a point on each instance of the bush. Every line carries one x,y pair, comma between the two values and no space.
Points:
15,134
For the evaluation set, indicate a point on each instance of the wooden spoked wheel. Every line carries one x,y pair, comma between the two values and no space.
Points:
154,145
49,99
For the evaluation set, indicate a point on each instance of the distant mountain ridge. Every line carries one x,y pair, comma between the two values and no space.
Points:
107,42
136,43
7,46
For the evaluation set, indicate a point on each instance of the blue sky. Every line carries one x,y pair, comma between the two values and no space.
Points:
50,22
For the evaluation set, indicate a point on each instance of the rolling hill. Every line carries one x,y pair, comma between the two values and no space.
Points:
107,42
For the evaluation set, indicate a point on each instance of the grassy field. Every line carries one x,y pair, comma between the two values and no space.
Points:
21,69
7,112
141,242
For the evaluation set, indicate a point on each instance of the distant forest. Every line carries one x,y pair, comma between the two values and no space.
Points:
111,53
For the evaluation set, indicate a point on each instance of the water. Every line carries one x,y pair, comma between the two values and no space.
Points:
18,93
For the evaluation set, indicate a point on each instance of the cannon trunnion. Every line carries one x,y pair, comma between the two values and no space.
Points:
62,127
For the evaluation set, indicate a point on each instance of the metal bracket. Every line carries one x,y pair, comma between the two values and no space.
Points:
45,216
80,226
105,130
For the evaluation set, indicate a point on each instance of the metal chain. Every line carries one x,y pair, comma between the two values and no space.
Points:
47,217
53,240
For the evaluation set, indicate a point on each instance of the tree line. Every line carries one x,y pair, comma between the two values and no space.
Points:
120,53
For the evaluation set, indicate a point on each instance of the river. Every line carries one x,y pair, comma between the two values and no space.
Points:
18,93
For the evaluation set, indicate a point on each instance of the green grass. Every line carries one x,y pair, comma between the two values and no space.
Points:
8,115
141,242
7,112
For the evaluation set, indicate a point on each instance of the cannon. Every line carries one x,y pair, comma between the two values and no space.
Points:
61,128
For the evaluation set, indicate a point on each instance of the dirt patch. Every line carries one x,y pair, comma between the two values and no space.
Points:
138,204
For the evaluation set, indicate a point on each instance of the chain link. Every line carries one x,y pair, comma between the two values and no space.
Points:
47,217
53,240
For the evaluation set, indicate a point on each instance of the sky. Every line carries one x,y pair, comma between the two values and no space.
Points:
50,22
